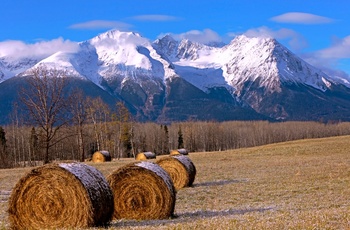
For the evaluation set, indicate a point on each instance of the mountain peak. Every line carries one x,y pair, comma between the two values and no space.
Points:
255,39
117,34
116,38
165,39
265,60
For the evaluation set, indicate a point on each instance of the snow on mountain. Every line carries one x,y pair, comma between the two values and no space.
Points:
115,47
10,67
261,60
127,54
166,77
111,55
194,62
61,60
266,61
167,47
83,63
186,52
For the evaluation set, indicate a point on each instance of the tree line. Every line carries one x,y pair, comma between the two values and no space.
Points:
69,126
25,146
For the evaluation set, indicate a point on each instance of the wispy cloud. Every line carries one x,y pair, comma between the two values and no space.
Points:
328,65
339,49
42,49
329,58
301,18
101,24
155,17
332,58
206,36
295,40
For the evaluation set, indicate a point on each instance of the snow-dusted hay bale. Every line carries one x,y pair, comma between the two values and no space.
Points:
65,195
142,191
180,168
145,155
101,156
179,151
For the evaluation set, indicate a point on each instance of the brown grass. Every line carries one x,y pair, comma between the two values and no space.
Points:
180,168
142,190
293,185
60,195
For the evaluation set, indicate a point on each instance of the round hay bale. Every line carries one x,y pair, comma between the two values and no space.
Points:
66,195
101,156
179,151
142,191
145,155
180,168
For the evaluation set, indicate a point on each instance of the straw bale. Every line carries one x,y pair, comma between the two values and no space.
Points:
66,195
101,156
179,151
142,191
180,168
145,155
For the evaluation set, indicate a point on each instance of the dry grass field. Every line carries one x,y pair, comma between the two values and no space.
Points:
293,185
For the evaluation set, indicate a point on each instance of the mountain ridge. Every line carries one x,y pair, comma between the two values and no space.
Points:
248,74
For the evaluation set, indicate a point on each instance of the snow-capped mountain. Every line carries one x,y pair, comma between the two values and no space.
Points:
164,80
245,59
127,53
259,72
267,61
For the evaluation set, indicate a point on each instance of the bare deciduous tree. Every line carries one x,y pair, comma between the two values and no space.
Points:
98,114
79,116
46,103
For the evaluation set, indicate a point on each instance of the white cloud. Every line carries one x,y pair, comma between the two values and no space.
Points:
330,66
204,37
295,40
101,24
42,49
155,17
301,18
332,58
340,49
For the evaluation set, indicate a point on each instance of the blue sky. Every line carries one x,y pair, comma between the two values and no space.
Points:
316,30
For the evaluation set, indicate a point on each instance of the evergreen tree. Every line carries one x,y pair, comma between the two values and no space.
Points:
34,144
180,140
3,157
2,138
123,119
126,139
166,140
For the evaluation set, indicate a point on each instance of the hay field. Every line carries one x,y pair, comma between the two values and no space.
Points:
293,185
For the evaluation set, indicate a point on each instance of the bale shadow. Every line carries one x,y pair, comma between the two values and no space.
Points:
216,183
187,217
4,196
5,192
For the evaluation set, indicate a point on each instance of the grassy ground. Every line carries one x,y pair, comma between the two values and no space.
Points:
293,185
